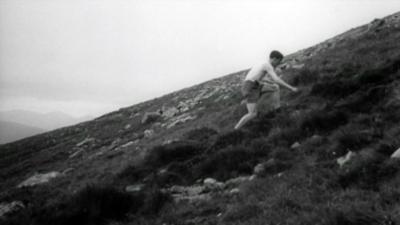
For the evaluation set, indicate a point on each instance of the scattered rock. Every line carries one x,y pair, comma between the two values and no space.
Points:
180,119
150,117
189,191
8,208
295,145
396,154
148,133
85,141
344,159
39,179
67,171
170,112
114,144
259,169
272,166
77,152
236,181
134,188
127,144
234,191
212,184
195,198
127,126
170,141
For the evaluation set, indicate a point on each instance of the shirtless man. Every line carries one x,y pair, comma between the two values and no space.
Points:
259,79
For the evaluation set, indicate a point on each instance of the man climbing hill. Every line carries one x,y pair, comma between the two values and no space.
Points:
259,80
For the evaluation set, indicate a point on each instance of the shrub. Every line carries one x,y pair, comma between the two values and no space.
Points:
305,76
91,205
202,135
357,216
352,138
285,136
241,212
154,201
380,74
323,121
261,146
175,152
335,89
363,170
231,138
227,163
132,174
365,100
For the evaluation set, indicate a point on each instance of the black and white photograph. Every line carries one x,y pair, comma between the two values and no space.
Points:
199,112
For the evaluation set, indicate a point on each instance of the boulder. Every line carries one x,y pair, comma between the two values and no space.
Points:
295,145
39,179
86,141
134,188
236,181
234,191
127,144
272,166
346,158
77,152
181,119
212,184
170,112
396,154
8,208
148,133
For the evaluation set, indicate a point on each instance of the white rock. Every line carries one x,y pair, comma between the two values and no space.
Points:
346,158
252,177
148,133
127,126
76,153
39,179
295,145
67,171
127,144
396,154
6,208
134,188
234,191
237,181
85,141
213,184
170,112
209,181
259,169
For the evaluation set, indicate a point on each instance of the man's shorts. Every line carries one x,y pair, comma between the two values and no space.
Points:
251,90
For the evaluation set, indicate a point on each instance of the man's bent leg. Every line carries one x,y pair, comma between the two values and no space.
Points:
252,113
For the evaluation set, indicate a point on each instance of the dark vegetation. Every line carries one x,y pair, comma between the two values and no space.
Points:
349,102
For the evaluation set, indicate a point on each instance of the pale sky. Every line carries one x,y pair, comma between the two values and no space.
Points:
94,56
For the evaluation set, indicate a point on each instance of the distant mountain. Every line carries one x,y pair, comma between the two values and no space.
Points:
44,121
10,131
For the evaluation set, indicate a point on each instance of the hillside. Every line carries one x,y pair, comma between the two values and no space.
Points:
187,166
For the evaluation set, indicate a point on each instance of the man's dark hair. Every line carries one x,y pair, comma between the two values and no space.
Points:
276,54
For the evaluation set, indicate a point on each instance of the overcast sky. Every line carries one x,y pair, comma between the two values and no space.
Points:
94,56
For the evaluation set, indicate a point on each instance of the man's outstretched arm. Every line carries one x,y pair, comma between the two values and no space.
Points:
278,80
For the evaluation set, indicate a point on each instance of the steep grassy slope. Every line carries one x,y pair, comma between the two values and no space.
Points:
349,101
